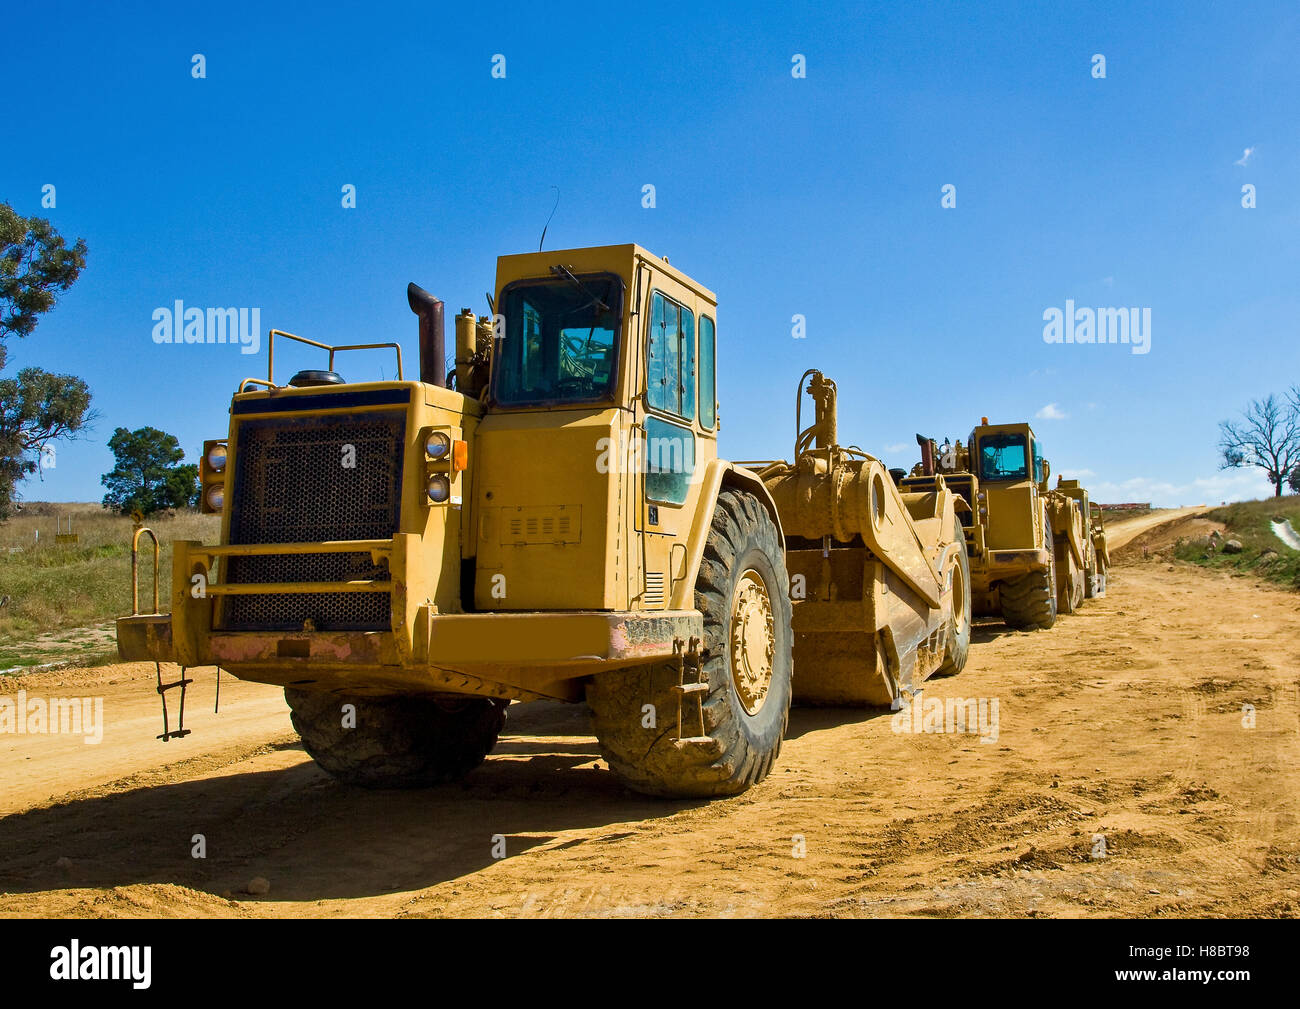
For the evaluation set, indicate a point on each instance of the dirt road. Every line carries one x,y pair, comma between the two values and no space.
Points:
1145,761
1121,532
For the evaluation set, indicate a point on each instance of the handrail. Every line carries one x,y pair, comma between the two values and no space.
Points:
292,588
270,353
369,346
135,569
272,549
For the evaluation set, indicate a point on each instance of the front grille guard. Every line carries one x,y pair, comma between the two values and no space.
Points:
193,634
380,552
196,564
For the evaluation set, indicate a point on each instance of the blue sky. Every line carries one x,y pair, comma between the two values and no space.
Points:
817,196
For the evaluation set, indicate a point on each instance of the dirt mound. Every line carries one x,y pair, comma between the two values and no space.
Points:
1159,541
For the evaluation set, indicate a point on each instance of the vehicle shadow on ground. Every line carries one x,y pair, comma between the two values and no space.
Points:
983,632
316,839
805,720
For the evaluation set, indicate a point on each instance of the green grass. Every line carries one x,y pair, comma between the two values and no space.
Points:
1262,554
60,593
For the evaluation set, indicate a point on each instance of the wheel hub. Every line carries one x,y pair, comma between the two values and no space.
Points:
753,641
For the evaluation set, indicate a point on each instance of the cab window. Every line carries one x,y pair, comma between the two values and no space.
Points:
561,341
670,458
1002,457
708,374
670,349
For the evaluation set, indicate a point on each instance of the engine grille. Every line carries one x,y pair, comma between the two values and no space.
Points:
292,485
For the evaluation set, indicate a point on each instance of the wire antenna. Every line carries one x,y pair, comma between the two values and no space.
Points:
548,220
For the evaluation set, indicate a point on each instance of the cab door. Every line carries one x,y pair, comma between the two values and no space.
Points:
676,419
667,444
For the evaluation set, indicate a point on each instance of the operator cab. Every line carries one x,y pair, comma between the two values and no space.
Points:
601,418
1008,453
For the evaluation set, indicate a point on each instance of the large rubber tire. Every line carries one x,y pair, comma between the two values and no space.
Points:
398,742
1069,579
1090,583
958,648
1029,601
741,747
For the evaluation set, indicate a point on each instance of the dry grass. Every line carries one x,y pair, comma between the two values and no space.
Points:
1262,554
60,594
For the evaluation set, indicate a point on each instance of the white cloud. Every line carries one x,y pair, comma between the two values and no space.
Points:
1108,281
1050,412
901,446
1229,485
1245,157
1077,474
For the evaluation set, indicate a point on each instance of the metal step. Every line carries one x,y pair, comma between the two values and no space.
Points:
180,731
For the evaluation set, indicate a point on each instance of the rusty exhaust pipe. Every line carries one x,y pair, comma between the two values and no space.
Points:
927,454
433,339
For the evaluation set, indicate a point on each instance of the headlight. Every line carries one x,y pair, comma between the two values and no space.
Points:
439,488
217,458
437,445
216,497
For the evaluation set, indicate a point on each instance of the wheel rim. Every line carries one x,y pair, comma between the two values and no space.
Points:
958,595
753,641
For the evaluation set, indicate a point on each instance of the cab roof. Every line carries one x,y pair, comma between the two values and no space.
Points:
620,259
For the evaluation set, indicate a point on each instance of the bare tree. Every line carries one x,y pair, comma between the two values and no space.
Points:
1267,437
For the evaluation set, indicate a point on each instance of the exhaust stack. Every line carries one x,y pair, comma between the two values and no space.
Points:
927,454
433,340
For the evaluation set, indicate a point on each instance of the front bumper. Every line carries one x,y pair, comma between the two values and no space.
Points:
516,655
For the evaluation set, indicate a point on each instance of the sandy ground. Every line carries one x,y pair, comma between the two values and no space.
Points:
1128,777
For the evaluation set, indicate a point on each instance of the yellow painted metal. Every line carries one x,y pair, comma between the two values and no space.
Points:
323,547
753,640
520,655
1013,526
1088,520
473,352
284,588
632,552
870,567
574,568
135,568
